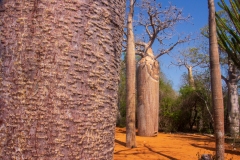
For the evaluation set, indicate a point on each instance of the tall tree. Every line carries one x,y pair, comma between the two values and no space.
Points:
229,38
59,76
158,24
225,27
216,86
131,81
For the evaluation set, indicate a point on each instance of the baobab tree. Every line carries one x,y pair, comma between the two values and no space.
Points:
59,75
216,85
233,102
159,25
190,58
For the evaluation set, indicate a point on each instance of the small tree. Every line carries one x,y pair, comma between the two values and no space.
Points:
190,58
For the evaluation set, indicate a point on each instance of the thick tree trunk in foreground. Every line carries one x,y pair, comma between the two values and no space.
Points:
131,82
148,96
59,76
233,104
216,85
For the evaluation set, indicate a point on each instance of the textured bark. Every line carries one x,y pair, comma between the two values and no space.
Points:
233,103
216,85
59,76
148,96
131,82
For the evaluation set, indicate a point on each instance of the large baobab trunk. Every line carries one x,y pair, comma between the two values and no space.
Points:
59,76
233,104
216,85
148,96
131,82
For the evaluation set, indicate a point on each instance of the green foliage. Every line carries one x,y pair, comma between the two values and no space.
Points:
193,105
188,111
228,30
183,111
185,91
122,92
121,119
167,99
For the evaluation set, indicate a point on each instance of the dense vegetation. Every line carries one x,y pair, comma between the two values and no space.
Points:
187,111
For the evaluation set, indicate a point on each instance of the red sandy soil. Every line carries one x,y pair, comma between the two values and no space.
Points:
175,146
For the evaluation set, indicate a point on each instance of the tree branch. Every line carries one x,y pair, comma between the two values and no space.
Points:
162,52
225,79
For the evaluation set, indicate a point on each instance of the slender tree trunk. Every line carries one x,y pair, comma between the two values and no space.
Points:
216,85
131,82
148,96
59,76
190,77
233,103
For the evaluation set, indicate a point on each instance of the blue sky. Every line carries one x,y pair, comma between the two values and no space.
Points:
198,9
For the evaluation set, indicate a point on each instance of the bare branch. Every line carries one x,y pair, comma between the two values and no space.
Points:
225,79
140,54
206,104
200,63
159,23
140,43
191,57
124,50
151,23
146,28
124,43
180,62
134,2
162,52
125,33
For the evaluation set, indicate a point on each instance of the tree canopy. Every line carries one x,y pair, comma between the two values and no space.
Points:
228,30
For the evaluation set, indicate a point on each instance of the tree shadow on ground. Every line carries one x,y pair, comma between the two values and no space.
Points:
135,153
157,152
213,149
197,138
121,130
120,142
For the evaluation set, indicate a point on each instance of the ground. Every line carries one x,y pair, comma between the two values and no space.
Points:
174,146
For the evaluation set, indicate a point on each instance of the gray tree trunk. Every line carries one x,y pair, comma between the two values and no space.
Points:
59,78
148,96
233,104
